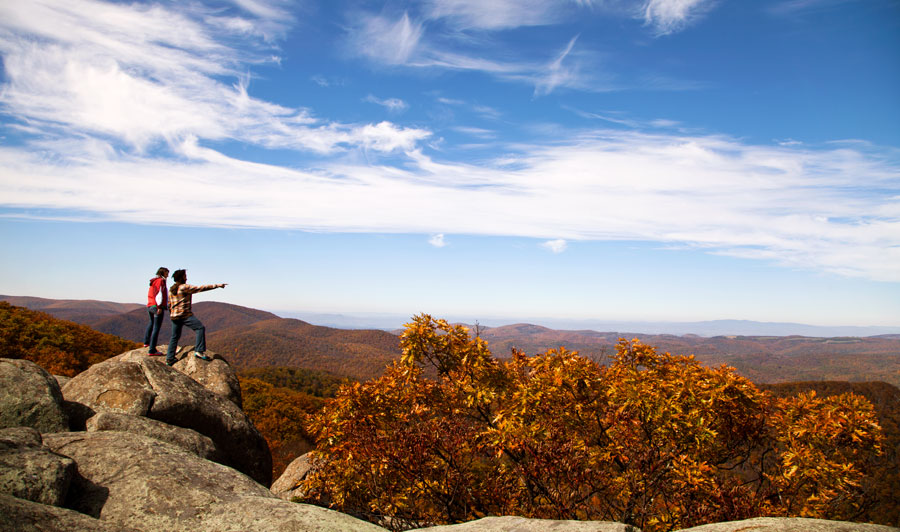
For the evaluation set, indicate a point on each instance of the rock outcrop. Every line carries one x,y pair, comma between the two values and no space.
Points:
187,439
288,486
30,471
522,524
142,483
215,375
19,515
30,397
144,386
789,524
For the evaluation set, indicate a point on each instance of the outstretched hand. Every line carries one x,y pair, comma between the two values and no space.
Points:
223,285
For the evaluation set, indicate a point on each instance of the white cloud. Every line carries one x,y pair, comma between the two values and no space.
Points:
140,75
496,14
437,240
794,7
556,246
393,42
558,74
832,210
391,104
670,16
403,42
476,132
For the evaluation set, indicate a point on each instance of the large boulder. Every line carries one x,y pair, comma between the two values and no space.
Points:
524,524
110,386
215,375
19,515
134,481
147,387
789,524
288,485
189,440
28,470
184,402
30,397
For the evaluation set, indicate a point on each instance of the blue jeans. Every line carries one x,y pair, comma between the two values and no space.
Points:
152,333
193,324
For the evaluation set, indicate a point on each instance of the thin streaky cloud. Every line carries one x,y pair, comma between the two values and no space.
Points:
496,14
795,7
404,42
391,104
824,210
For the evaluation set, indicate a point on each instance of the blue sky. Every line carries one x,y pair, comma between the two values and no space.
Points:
673,160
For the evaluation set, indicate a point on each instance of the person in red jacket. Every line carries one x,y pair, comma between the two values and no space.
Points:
157,302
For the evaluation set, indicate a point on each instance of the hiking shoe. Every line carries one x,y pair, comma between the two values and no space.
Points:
146,345
155,354
202,356
170,362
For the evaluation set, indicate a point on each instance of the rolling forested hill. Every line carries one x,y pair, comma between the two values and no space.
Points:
83,311
61,347
214,315
762,359
361,354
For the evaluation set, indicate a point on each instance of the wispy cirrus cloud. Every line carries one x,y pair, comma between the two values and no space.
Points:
670,16
464,35
833,209
403,42
394,105
142,74
497,14
795,7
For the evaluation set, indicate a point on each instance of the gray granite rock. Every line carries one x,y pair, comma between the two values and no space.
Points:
145,386
28,470
30,397
287,486
187,439
18,515
133,481
215,375
789,524
110,386
524,524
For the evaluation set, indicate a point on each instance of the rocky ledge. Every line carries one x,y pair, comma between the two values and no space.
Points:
134,445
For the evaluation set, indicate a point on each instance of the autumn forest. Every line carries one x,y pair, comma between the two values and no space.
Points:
451,431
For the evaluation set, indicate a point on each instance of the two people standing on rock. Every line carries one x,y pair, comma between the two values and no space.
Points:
181,315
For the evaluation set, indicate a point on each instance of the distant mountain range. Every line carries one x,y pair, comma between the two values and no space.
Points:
700,328
255,338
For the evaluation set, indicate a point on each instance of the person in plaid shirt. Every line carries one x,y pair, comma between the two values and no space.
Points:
180,313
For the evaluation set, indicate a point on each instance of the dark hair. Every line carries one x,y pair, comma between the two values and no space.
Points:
162,272
179,276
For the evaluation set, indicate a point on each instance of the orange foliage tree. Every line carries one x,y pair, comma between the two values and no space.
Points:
281,415
450,433
61,347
